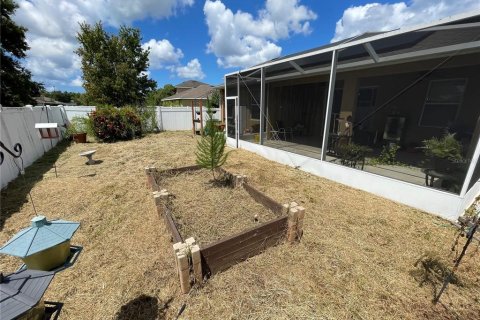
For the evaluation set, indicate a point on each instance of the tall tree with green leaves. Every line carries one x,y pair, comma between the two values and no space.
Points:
114,66
154,98
17,87
211,148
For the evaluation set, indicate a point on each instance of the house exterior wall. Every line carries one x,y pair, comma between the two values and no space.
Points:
183,103
410,105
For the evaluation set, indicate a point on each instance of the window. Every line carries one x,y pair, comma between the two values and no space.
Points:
255,111
442,103
365,105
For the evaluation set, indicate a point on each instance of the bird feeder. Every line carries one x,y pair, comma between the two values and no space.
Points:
48,130
45,245
21,294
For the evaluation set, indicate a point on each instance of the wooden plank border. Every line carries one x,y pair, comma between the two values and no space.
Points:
176,236
265,200
179,170
228,251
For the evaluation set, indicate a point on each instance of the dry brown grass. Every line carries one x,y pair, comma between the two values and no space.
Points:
361,257
209,210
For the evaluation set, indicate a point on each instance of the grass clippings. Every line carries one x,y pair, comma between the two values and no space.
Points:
210,210
358,258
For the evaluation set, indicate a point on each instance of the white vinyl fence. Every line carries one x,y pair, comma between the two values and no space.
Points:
17,125
78,111
180,118
168,118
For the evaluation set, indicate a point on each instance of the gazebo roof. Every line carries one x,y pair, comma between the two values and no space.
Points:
41,235
21,291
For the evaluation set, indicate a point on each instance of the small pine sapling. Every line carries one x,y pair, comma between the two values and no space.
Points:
211,148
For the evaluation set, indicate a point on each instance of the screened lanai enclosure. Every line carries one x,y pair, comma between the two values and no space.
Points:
403,104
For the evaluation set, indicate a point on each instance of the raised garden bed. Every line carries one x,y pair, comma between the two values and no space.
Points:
216,226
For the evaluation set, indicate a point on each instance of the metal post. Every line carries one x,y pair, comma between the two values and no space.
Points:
193,120
237,111
201,118
328,113
471,169
262,103
225,105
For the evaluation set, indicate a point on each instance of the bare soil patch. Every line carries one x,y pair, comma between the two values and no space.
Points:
210,210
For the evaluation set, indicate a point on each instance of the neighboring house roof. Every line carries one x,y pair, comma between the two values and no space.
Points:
190,84
201,92
42,100
21,291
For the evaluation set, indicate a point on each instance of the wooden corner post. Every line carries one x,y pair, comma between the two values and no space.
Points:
149,172
296,215
188,263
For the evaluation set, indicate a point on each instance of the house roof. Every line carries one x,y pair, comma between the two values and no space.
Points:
41,235
190,84
42,100
21,291
434,39
201,92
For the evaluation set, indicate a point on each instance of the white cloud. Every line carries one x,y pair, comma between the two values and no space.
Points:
162,53
193,70
389,16
240,39
77,82
117,13
53,25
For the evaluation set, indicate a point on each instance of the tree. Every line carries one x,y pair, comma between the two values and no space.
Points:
211,148
215,98
154,98
114,66
17,87
62,96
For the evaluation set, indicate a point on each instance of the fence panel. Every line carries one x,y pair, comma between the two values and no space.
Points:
180,118
79,111
18,126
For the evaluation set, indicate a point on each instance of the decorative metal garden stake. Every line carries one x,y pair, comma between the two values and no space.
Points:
470,234
17,148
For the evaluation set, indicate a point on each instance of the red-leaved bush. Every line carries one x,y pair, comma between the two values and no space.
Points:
112,124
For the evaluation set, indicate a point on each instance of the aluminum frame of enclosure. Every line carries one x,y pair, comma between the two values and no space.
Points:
376,60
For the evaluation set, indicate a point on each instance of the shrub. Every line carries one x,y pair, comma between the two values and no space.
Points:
111,124
148,117
388,156
351,153
447,147
77,125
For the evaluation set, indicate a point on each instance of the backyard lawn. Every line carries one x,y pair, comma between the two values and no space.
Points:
361,256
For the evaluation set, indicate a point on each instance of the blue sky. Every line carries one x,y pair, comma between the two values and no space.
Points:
203,40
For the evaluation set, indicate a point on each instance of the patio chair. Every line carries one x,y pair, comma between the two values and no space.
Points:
284,130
